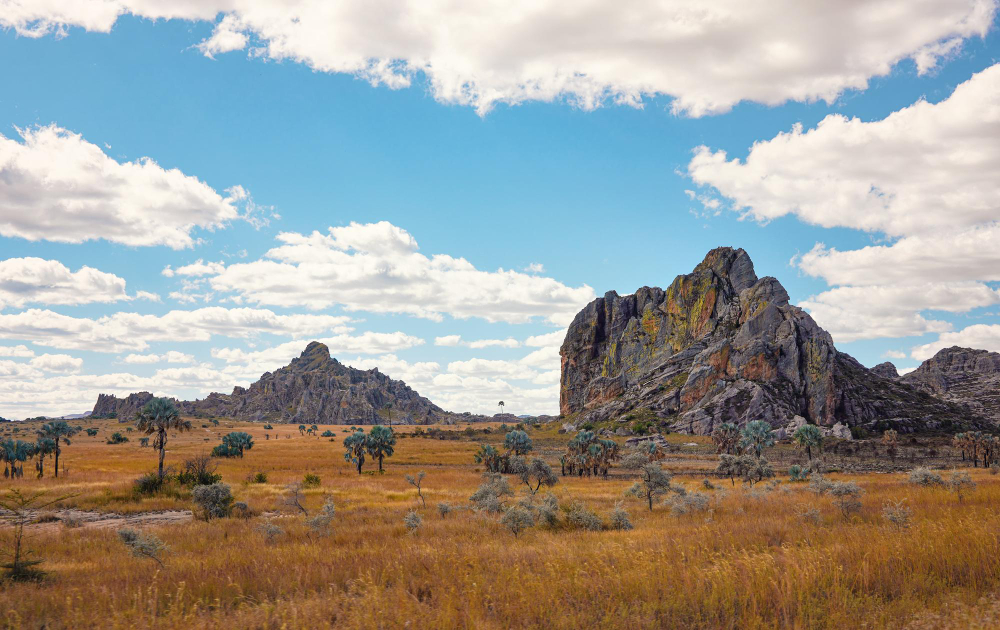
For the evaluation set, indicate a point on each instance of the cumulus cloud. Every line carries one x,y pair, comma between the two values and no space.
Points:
707,56
377,267
40,281
456,340
19,351
979,336
172,356
923,179
56,186
132,331
894,354
62,363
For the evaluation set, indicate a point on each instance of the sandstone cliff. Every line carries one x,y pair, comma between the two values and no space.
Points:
720,344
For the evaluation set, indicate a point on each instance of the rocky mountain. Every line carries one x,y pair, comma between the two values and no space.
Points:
110,406
885,370
962,375
720,344
313,388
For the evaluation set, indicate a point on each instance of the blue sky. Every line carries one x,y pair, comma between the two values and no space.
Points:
576,197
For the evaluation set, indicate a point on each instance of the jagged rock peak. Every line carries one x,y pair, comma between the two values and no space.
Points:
732,264
885,370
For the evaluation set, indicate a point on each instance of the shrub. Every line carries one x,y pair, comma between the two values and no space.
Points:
242,510
444,509
117,438
925,477
687,503
798,473
215,500
820,484
708,485
328,434
960,482
808,514
413,522
517,519
619,519
311,481
142,545
91,432
490,494
582,517
548,510
270,531
846,497
148,484
897,513
321,522
257,477
199,471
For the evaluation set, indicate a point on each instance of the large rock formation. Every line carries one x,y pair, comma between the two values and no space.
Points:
313,388
110,406
962,375
886,370
720,345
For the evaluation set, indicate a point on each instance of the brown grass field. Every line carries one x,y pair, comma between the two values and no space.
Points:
750,561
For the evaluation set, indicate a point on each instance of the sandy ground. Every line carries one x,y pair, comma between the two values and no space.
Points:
56,519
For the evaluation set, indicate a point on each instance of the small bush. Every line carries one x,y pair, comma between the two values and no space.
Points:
322,522
270,531
820,484
310,481
215,500
242,510
960,482
687,503
413,522
148,484
142,545
199,471
444,509
798,473
619,519
809,514
517,519
117,438
846,497
582,517
548,510
898,513
925,477
257,477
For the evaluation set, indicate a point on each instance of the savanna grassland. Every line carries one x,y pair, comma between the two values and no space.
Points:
775,555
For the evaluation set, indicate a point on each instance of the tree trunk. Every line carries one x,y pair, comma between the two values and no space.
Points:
809,454
359,465
57,460
380,463
649,495
163,444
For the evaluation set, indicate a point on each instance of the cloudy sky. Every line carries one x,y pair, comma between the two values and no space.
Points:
192,190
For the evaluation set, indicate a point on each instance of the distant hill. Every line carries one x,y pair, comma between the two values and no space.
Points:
313,388
962,375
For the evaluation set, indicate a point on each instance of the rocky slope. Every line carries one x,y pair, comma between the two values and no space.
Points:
313,388
962,375
109,406
720,344
885,370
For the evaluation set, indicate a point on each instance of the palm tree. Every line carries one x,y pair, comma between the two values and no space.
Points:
726,437
43,447
302,429
7,454
23,451
500,404
158,416
355,446
60,432
380,443
807,437
756,436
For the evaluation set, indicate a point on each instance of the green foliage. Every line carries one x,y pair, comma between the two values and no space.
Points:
517,519
798,473
199,471
258,477
653,482
413,521
311,481
537,473
157,417
238,441
380,443
756,436
328,433
355,447
148,484
215,500
619,519
225,450
91,432
517,442
117,438
490,458
808,437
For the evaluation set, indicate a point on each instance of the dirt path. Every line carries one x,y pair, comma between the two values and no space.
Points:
58,519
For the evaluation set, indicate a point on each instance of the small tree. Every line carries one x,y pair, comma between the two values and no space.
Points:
321,522
216,500
517,519
756,436
538,473
415,482
157,417
731,466
21,566
238,441
413,521
294,497
142,545
846,497
960,482
755,469
381,441
653,482
44,447
302,429
490,458
517,442
808,437
490,495
727,438
355,447
60,432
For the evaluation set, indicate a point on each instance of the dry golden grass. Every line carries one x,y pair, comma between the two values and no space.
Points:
749,562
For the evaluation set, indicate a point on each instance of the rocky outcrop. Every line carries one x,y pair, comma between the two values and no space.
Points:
885,370
722,345
962,375
110,406
316,388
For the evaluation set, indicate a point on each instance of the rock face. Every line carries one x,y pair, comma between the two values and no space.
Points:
721,345
110,406
313,388
962,375
885,370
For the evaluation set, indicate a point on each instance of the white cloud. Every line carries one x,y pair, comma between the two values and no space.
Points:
35,280
924,177
172,356
554,338
62,363
376,267
894,354
196,269
978,336
56,186
905,371
16,351
708,56
456,340
131,331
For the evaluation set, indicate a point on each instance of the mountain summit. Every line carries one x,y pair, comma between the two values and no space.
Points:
722,345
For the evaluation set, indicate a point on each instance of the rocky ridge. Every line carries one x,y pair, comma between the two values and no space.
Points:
313,388
962,375
722,345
